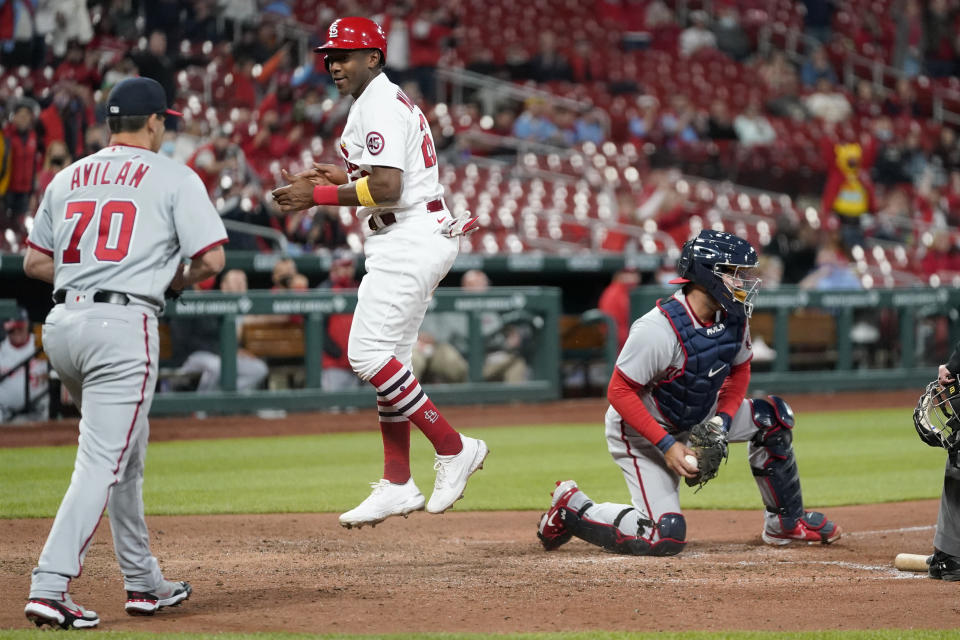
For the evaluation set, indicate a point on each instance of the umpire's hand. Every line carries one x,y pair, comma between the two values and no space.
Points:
944,376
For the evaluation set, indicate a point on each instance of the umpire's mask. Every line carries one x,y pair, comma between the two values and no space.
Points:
936,416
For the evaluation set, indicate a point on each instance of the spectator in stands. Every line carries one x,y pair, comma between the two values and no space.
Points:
56,158
796,244
201,22
828,103
816,67
719,123
68,116
832,271
22,44
25,152
283,272
204,339
888,169
643,124
903,101
946,153
698,35
730,35
753,128
940,256
79,66
678,122
154,62
913,160
509,336
535,123
909,40
549,64
337,373
219,156
817,19
892,220
865,103
16,349
615,301
585,65
938,31
517,62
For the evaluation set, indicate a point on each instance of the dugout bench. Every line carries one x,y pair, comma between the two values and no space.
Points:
314,306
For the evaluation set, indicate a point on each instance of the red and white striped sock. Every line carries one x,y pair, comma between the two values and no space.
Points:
399,395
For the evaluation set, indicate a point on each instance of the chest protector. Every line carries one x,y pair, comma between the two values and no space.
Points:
686,398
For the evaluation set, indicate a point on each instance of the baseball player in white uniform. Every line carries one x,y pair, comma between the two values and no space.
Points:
110,235
15,350
686,362
391,175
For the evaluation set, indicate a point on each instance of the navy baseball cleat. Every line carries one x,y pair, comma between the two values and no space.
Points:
551,531
65,613
943,566
140,603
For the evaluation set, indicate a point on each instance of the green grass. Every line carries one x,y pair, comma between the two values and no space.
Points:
894,634
848,457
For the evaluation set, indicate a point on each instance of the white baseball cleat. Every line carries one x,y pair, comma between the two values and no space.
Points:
387,499
168,594
453,472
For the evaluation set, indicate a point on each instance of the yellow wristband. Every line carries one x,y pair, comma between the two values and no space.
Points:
363,193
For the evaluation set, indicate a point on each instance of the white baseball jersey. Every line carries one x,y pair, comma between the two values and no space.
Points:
112,222
12,388
384,128
653,352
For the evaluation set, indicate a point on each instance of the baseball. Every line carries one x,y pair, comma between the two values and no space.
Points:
690,460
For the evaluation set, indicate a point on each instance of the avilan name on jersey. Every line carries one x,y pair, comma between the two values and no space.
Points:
91,174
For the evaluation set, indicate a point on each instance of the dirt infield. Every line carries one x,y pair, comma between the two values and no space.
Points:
485,571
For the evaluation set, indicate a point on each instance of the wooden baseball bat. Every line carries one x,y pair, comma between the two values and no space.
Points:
911,562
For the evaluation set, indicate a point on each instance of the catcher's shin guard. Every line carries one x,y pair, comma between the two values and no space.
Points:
672,528
773,462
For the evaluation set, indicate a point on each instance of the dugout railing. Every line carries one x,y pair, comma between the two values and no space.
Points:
314,306
845,340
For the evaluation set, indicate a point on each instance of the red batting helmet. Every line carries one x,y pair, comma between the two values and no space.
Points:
354,32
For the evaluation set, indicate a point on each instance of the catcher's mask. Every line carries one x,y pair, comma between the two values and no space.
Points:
725,265
937,413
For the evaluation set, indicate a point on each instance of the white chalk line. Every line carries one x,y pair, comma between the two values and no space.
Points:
879,532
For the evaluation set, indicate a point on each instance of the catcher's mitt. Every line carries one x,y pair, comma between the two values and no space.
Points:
709,441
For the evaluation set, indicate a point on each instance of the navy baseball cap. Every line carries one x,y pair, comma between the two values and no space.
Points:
138,97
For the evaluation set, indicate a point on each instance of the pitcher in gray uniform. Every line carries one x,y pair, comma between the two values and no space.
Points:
111,234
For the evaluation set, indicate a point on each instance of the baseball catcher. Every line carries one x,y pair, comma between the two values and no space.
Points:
677,397
938,425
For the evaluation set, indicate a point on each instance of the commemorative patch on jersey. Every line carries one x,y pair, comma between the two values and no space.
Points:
374,142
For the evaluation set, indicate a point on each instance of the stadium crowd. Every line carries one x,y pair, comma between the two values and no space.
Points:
763,94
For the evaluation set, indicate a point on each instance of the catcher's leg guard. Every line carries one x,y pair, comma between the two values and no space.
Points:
773,462
672,528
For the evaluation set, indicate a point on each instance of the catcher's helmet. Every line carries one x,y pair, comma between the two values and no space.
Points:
936,416
354,32
724,265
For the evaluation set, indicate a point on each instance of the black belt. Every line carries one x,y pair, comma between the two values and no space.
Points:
389,218
110,297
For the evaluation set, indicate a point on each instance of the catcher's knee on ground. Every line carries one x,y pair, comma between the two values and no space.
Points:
670,531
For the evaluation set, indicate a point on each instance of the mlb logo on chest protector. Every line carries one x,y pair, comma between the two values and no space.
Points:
374,142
